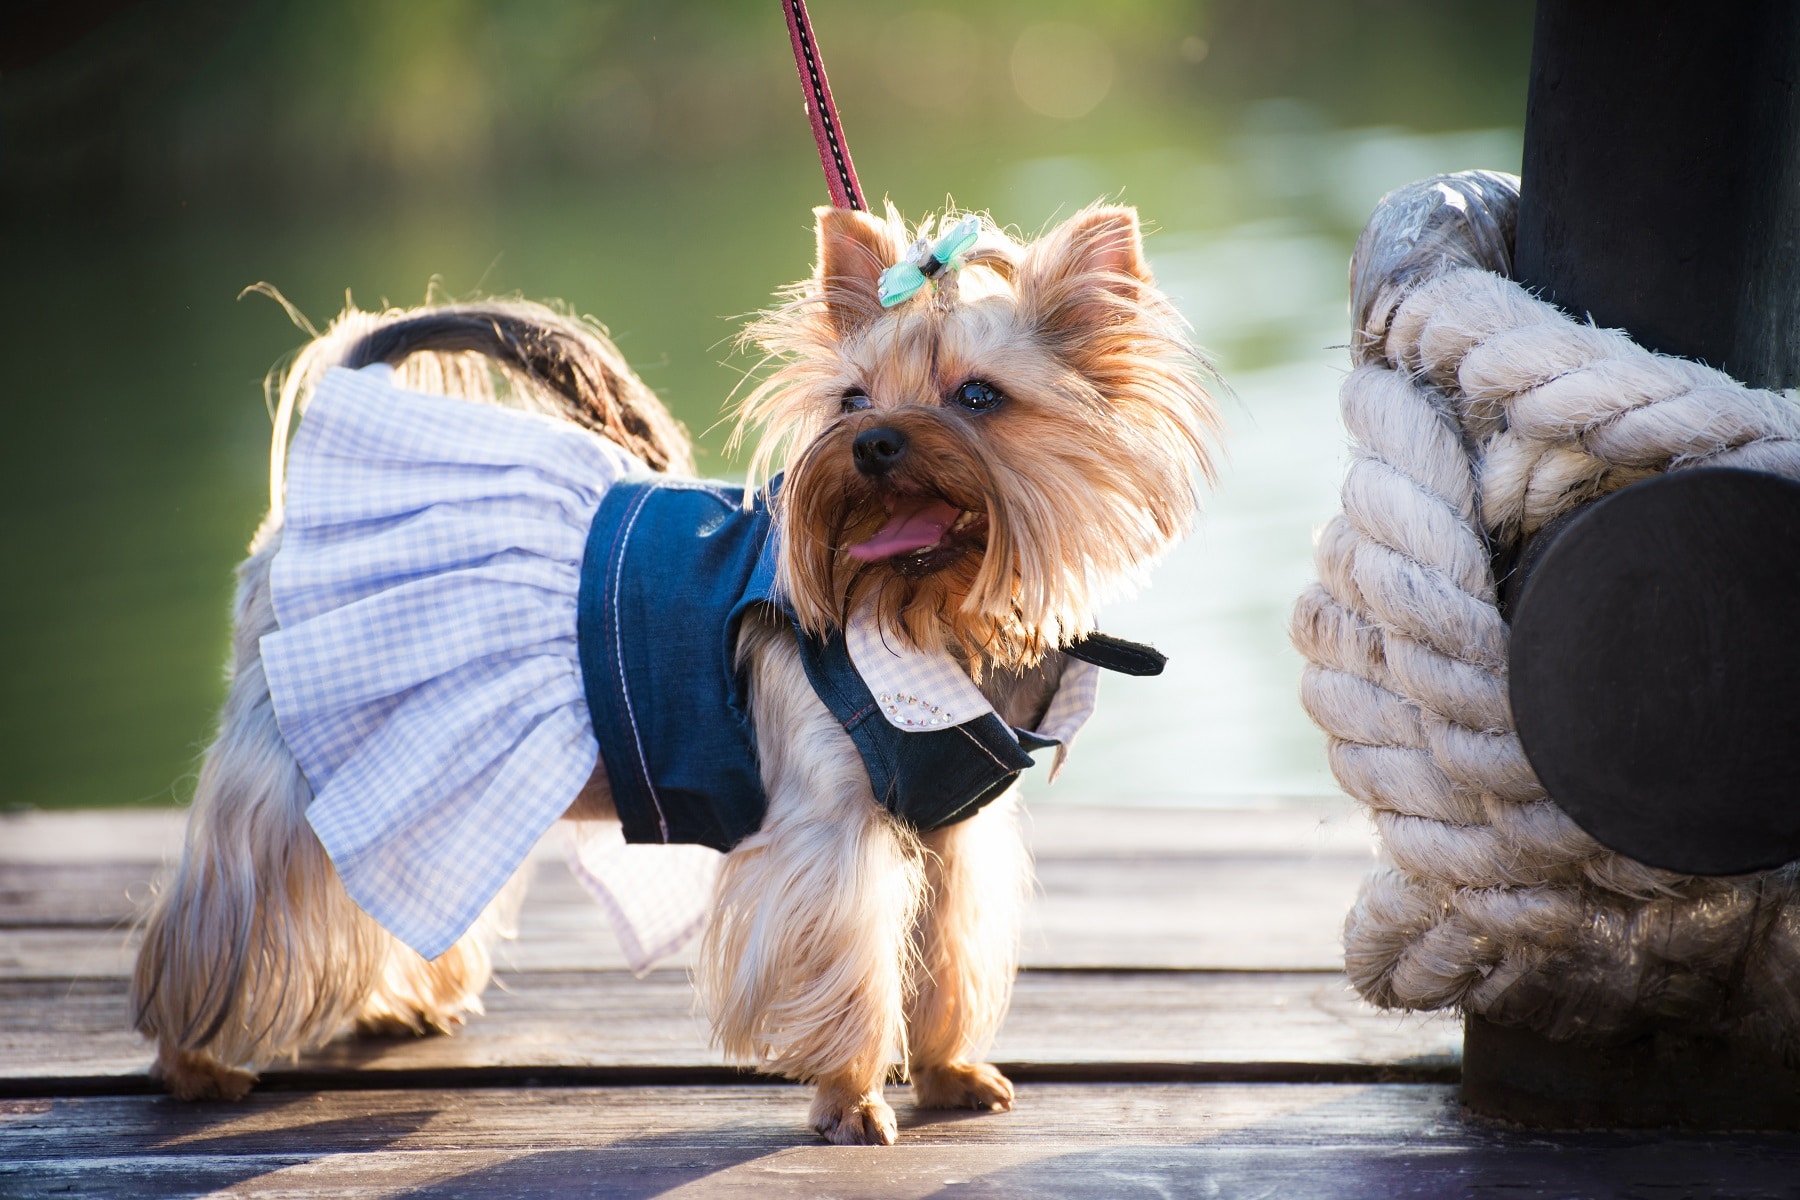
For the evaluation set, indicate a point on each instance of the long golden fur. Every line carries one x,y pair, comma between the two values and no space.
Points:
1085,475
841,941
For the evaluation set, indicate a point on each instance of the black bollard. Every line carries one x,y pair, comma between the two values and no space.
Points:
1655,667
1660,191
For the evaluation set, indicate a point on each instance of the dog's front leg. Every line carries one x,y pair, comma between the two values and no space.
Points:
977,876
804,966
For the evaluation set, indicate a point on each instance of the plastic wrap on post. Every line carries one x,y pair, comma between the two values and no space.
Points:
1421,231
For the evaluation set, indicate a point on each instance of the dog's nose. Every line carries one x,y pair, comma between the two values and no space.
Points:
878,451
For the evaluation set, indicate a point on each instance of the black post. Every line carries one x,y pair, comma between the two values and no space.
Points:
1661,182
1654,658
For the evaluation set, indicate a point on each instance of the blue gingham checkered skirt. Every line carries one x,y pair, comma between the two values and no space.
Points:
425,672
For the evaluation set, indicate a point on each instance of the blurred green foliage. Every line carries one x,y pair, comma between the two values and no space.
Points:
649,163
288,105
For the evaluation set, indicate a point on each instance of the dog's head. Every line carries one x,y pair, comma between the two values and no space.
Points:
986,461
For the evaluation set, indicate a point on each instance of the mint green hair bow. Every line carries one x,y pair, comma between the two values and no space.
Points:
925,261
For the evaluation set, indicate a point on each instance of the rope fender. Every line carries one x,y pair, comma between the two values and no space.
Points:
1478,414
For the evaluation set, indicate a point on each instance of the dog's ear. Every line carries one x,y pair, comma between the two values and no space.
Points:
1087,274
854,249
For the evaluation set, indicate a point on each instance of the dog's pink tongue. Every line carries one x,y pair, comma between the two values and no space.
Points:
913,525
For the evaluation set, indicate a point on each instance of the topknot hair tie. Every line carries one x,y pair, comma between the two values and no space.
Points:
926,261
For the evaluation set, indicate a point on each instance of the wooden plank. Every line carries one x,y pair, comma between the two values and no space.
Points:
1303,830
142,835
1237,912
1286,1024
111,892
1196,923
72,895
1376,1142
1240,890
1240,912
65,953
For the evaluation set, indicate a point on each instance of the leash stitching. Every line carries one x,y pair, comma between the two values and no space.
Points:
845,190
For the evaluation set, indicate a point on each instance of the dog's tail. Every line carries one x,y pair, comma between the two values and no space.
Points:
512,352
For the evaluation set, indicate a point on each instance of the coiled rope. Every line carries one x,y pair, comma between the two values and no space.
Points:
1479,414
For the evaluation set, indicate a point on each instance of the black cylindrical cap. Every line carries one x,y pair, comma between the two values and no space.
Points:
1655,671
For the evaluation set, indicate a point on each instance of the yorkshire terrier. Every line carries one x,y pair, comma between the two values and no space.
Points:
964,446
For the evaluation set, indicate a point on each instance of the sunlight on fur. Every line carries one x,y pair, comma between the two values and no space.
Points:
805,964
1085,477
252,951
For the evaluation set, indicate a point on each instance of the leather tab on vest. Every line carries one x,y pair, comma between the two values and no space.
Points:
1117,654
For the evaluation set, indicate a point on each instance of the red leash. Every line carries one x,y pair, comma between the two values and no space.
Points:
828,130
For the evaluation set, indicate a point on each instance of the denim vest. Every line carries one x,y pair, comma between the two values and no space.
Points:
670,569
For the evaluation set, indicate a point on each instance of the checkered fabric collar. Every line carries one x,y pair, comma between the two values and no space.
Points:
918,692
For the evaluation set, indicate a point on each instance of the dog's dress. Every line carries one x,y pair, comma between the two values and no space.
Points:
474,602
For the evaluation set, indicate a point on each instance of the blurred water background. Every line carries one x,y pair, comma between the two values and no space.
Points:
650,164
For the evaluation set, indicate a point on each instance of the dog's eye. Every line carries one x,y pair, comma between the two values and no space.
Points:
977,395
853,402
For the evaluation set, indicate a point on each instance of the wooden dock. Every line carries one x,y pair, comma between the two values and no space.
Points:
1181,1028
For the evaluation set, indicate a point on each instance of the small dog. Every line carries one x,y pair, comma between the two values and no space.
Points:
981,441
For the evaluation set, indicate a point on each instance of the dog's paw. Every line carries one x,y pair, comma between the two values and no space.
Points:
962,1085
845,1119
396,1025
196,1075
